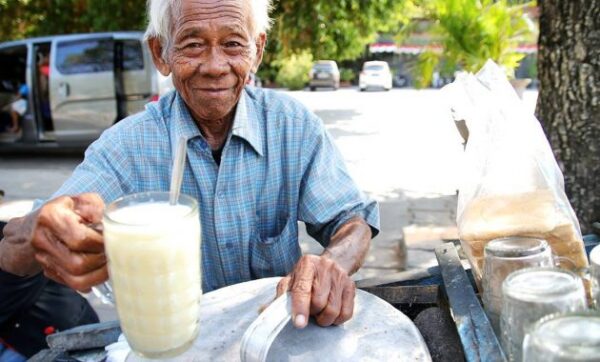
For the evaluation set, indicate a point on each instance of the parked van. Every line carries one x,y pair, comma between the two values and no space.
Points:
77,86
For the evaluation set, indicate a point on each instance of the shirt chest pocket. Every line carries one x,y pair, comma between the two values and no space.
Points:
275,255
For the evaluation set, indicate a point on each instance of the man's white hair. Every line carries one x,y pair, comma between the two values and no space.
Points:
161,12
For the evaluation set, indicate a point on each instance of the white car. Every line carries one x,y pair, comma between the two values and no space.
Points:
375,74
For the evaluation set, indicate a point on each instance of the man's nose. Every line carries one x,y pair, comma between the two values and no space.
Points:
215,64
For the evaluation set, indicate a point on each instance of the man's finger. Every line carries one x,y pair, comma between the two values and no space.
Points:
320,292
347,304
82,283
72,262
301,292
90,207
334,304
59,219
92,242
79,236
51,274
283,286
49,271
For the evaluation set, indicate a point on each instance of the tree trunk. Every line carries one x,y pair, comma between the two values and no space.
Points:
569,98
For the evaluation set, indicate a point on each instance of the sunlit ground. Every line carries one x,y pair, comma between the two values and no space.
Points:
399,141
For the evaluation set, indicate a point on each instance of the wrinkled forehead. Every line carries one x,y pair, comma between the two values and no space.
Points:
200,13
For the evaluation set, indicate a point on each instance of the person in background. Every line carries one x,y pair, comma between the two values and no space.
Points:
17,109
44,90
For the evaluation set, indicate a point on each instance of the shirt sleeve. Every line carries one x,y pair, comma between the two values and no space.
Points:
105,170
328,195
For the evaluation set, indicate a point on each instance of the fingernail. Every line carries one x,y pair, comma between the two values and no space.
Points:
300,321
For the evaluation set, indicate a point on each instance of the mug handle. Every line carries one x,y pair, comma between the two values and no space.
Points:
566,263
104,292
591,284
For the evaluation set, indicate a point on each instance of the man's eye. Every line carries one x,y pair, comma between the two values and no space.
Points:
233,44
193,45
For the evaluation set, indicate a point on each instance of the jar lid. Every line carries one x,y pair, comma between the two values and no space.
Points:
575,335
542,285
515,247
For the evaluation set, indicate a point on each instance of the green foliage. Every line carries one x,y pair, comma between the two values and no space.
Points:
293,70
347,75
337,30
25,18
471,31
425,67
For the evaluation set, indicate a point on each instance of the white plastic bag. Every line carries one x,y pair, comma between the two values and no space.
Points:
512,185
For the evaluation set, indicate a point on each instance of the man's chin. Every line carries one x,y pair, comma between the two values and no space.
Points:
212,111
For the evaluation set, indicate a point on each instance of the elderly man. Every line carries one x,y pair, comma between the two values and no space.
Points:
258,162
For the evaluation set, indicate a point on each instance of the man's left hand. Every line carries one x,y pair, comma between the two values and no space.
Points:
321,288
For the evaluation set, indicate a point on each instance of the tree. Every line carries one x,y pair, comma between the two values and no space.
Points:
11,19
25,18
569,98
336,30
470,32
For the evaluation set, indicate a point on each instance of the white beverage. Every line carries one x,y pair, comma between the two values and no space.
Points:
153,251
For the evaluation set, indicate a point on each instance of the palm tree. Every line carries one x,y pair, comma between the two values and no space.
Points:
469,32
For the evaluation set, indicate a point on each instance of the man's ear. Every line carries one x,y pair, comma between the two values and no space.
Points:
261,41
156,49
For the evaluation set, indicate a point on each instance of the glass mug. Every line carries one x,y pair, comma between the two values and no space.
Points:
532,293
503,256
153,251
564,338
594,274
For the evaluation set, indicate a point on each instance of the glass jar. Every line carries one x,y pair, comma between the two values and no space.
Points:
595,275
532,293
503,256
564,338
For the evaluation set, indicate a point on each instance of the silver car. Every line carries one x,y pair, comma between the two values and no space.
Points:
79,85
324,73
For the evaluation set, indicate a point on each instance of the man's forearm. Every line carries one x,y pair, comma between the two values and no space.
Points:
16,253
349,245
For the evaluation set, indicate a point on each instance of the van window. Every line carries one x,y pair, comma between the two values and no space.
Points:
133,57
85,56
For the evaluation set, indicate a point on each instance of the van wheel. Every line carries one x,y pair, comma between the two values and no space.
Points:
312,89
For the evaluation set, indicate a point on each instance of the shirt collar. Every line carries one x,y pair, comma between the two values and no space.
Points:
245,123
180,123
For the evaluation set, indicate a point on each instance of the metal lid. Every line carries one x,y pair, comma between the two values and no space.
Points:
541,284
377,331
515,247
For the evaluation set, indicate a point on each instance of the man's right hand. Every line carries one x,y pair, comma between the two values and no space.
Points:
58,238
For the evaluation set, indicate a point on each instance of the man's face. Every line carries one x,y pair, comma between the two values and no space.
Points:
212,54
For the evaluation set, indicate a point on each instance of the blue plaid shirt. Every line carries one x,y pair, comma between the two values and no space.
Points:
279,166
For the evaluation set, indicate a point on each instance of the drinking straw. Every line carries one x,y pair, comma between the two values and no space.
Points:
177,170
